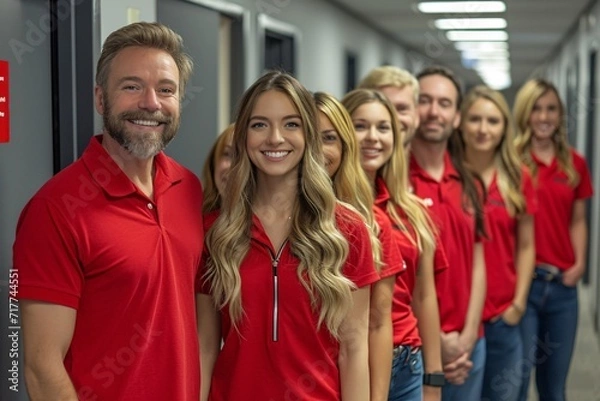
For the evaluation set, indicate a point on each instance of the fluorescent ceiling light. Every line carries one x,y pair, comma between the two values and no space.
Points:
485,54
461,7
481,46
470,23
461,36
498,82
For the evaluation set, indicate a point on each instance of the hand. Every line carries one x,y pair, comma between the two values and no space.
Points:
511,316
571,276
457,371
451,347
467,341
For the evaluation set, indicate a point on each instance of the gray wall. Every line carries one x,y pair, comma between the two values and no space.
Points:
25,162
199,114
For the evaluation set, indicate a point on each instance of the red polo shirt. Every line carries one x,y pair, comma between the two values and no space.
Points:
91,241
500,253
278,353
457,233
391,255
406,330
555,199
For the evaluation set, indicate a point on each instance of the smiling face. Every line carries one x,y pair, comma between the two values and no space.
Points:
438,110
275,139
140,106
545,117
374,134
332,144
483,126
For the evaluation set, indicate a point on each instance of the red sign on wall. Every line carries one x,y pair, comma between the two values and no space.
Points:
4,112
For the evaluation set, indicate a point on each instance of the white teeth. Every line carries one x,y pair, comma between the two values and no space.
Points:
370,151
276,154
145,122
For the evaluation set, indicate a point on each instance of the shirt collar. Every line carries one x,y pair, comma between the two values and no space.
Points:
449,171
109,176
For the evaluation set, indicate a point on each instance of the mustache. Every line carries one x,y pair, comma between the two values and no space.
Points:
143,115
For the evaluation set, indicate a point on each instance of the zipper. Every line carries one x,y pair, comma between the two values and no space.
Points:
274,266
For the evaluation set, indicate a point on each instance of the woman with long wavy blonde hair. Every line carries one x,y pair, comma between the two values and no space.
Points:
415,309
288,267
351,185
563,184
487,134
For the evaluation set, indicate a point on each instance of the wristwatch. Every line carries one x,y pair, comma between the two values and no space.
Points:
435,379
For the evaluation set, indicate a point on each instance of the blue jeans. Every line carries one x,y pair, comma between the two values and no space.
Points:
504,350
548,332
406,383
470,390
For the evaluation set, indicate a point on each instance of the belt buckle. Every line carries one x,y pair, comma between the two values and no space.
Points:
398,350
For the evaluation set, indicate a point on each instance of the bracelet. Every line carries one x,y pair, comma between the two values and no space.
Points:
518,308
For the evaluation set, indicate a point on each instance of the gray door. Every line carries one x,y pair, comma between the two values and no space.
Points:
199,28
26,161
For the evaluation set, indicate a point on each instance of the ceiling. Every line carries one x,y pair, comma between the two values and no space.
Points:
535,28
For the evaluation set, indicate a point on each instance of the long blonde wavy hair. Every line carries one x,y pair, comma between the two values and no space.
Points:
314,238
350,183
525,100
507,162
212,198
395,173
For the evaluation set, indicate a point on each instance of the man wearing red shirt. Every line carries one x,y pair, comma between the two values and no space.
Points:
438,177
108,249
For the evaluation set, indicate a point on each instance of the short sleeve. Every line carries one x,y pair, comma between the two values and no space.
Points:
584,188
528,190
202,285
391,255
46,255
359,266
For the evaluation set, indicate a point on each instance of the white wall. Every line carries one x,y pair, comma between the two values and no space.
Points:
113,14
326,33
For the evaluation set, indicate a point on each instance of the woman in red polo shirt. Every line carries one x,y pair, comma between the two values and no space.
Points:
563,183
487,132
287,266
352,186
383,159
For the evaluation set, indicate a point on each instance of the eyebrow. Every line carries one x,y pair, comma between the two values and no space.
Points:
141,81
263,118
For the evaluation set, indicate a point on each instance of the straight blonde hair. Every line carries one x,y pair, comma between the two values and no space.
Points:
350,183
395,173
525,100
508,165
